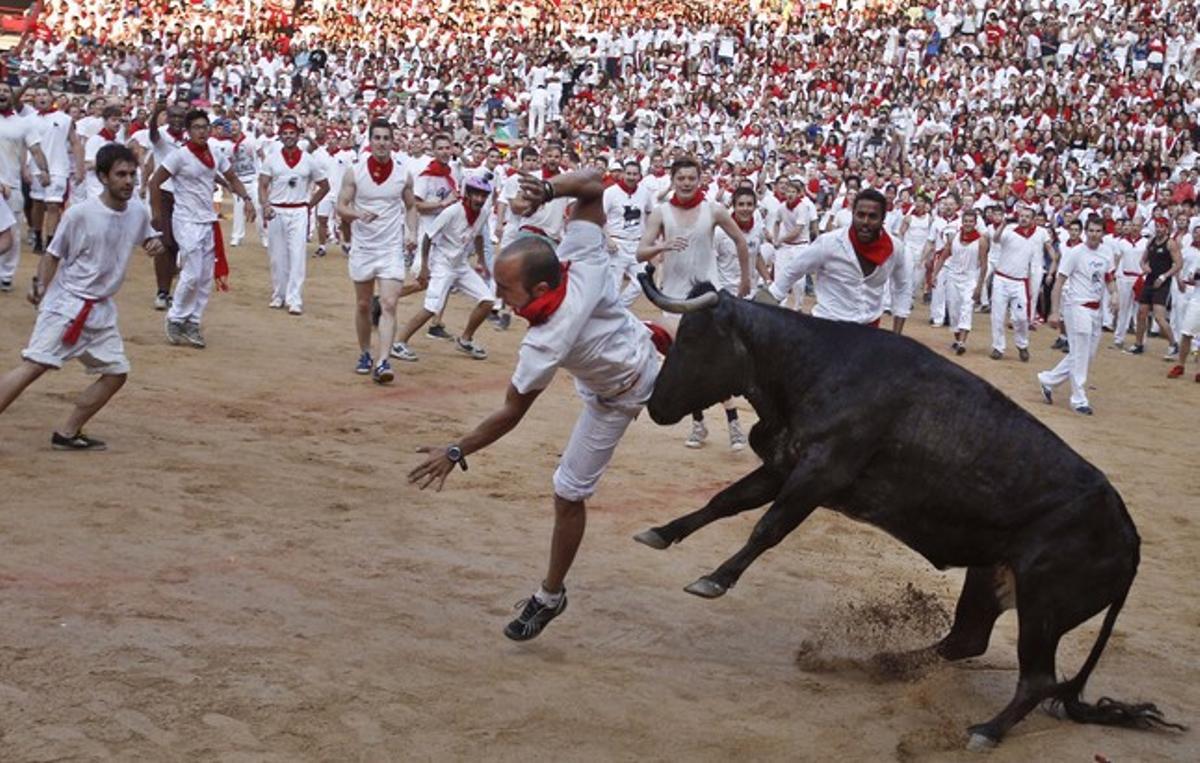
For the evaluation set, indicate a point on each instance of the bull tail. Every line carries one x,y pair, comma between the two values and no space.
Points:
1107,711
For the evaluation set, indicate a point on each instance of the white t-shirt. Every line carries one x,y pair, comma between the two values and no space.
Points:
1087,270
54,129
17,133
591,336
451,237
194,184
93,244
291,184
729,270
625,212
796,220
165,146
385,234
1018,255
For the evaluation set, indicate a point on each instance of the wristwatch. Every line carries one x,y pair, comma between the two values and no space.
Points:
455,455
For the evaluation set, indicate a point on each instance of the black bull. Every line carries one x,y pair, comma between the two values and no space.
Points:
881,429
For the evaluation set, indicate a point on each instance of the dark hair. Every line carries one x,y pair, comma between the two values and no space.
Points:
1093,220
529,152
380,124
110,111
633,163
745,191
871,195
684,163
440,137
193,115
108,156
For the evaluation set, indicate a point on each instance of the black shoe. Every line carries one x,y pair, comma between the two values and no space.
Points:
79,442
376,311
1047,394
5,284
438,331
1023,354
996,355
961,349
1137,349
1059,343
985,308
1106,329
1084,409
534,617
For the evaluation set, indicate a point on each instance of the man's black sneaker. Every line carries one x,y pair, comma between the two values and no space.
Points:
1137,349
534,617
438,331
1023,354
1059,343
79,442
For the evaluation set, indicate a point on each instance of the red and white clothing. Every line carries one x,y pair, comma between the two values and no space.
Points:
604,346
729,269
54,129
1190,275
293,175
194,225
1128,269
697,262
243,157
452,236
378,245
93,245
1017,250
428,186
961,274
844,293
1088,272
17,134
793,220
625,212
941,232
547,220
92,188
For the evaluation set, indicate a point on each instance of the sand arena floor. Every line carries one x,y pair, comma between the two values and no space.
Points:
245,575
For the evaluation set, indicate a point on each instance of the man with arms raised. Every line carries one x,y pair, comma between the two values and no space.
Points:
576,323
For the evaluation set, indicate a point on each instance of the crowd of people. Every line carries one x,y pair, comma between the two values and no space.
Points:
1031,159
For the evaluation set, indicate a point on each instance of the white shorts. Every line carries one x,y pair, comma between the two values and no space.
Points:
100,350
367,266
55,193
1191,318
599,428
326,205
442,279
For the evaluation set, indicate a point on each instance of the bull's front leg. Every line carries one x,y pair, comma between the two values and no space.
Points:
818,476
755,489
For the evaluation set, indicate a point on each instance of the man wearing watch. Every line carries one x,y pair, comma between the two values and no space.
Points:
577,323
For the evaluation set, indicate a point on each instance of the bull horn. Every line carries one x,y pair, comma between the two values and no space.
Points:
671,304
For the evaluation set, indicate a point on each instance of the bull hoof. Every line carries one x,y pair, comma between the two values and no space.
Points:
981,743
706,589
652,539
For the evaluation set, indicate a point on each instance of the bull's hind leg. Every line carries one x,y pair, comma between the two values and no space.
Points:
755,489
987,592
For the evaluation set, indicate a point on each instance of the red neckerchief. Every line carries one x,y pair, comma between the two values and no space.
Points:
548,173
6,112
202,153
472,214
237,143
439,169
46,112
539,309
658,173
291,155
793,203
690,203
877,251
627,188
1131,212
1026,232
379,171
108,134
745,226
1132,238
1073,241
176,135
968,238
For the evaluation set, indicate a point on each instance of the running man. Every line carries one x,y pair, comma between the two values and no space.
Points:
193,171
1160,263
77,318
962,263
576,323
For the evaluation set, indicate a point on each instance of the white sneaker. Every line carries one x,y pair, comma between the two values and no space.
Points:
737,438
295,310
275,303
1172,353
698,436
401,352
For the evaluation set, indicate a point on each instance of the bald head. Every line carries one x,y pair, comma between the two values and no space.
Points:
531,260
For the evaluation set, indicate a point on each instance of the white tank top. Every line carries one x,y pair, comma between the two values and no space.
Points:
964,258
698,262
384,234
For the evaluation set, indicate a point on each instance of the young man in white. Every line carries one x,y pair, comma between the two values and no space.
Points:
337,162
942,231
1016,248
914,235
681,233
374,196
77,278
291,183
193,169
853,267
1129,248
745,214
576,323
106,135
436,189
1189,284
163,143
60,144
1086,272
448,242
626,205
794,228
18,136
243,157
960,267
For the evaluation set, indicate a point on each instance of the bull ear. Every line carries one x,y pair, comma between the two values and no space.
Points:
672,305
